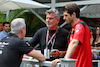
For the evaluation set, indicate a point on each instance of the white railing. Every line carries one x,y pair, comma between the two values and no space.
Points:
97,61
64,62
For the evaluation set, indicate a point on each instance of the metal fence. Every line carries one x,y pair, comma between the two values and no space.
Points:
64,63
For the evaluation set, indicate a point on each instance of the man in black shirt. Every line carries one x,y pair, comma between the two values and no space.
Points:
13,47
52,36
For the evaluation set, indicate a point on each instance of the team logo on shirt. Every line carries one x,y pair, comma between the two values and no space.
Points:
2,44
77,31
72,32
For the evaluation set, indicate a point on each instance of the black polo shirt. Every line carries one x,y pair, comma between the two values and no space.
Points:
60,40
12,51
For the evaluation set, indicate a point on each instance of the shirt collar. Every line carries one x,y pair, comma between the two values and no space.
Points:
77,23
5,32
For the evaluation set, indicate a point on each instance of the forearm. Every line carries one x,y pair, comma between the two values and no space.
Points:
27,57
97,47
71,48
37,55
92,47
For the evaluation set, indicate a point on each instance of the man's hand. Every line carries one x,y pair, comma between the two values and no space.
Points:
54,62
55,54
95,56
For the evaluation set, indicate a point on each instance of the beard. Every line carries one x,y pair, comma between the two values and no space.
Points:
69,21
48,24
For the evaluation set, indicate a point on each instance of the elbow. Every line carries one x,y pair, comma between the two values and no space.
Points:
43,59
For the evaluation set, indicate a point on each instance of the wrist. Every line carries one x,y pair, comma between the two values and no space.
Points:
66,57
62,53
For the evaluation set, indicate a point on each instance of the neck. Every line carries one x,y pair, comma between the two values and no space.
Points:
52,28
6,31
97,38
97,35
75,21
19,35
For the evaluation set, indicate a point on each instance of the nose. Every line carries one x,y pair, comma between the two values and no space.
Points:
64,17
47,20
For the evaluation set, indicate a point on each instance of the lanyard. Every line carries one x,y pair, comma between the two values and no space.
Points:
50,40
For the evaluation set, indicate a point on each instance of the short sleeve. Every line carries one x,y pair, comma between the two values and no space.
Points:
35,39
79,32
25,47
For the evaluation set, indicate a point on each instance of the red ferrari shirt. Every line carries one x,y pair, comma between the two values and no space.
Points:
83,54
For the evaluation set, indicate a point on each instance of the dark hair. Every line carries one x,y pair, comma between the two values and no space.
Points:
97,26
5,23
72,7
94,34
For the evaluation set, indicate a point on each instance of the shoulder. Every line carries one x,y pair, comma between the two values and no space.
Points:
19,41
14,38
42,29
81,24
63,30
1,33
22,41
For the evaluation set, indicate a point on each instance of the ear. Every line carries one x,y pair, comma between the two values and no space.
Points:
58,20
21,31
74,14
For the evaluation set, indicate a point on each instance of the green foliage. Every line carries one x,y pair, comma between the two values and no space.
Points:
2,17
16,13
33,23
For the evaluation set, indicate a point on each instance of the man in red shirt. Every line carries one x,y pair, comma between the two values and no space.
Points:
79,41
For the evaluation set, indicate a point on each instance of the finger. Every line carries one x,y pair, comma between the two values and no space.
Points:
53,63
95,57
52,53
